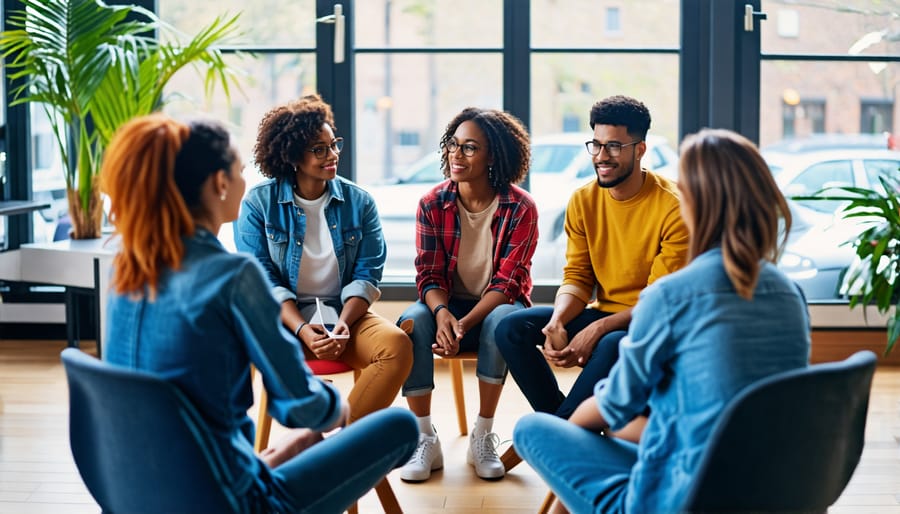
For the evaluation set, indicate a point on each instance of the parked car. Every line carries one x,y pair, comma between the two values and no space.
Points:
560,163
817,258
806,172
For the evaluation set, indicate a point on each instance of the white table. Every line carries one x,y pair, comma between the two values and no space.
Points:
81,265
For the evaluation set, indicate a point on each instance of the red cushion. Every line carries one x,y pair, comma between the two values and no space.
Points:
323,367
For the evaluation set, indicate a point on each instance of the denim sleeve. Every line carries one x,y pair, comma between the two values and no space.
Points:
296,397
369,264
250,237
642,354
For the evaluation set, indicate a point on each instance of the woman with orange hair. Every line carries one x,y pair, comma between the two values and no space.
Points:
188,310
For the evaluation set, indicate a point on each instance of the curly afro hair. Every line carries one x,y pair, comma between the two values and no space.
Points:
285,133
507,142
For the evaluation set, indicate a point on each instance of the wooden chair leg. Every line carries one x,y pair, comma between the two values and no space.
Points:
387,497
456,374
354,509
510,458
263,423
548,503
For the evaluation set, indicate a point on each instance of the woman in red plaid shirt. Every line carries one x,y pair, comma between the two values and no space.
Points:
475,235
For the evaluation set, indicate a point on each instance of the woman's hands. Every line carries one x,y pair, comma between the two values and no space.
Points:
300,439
294,442
450,332
323,346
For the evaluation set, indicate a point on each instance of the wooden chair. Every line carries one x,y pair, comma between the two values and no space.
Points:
456,378
264,425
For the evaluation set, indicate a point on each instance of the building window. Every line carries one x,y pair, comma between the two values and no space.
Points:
788,23
876,115
803,118
408,138
613,21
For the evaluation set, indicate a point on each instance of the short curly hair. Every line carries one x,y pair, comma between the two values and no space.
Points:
286,131
507,140
624,111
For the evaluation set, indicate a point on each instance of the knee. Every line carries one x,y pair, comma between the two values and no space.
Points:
393,347
530,428
509,331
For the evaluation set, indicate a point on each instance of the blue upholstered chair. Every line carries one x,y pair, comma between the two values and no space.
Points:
139,444
788,443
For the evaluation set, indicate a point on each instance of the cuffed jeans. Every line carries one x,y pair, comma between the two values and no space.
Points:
587,471
334,473
491,367
518,334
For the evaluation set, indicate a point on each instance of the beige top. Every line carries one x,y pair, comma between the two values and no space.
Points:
476,264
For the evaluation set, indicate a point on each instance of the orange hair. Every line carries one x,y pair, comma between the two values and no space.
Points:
146,207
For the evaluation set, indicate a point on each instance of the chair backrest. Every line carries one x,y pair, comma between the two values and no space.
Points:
139,444
788,443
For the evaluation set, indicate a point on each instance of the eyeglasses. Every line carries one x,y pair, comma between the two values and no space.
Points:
468,149
322,150
613,148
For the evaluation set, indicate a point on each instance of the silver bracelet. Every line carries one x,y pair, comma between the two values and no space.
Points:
299,328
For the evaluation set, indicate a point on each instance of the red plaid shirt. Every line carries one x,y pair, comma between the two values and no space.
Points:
514,231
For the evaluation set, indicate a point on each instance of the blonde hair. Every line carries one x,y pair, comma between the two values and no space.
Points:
146,207
732,201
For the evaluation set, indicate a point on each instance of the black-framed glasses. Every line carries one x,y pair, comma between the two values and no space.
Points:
468,149
321,151
613,148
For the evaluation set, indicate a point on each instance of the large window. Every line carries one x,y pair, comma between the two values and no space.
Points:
830,76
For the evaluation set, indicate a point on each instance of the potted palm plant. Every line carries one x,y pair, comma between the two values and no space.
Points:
874,276
92,67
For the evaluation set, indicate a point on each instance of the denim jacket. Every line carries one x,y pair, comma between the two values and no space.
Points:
210,320
692,345
272,228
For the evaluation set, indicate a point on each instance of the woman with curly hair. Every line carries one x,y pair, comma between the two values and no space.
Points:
184,308
475,235
319,240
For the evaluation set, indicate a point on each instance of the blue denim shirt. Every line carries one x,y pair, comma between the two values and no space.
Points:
693,344
210,319
272,228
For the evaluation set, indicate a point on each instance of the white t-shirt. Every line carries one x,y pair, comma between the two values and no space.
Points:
319,275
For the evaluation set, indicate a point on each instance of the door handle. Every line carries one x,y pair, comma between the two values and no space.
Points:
338,20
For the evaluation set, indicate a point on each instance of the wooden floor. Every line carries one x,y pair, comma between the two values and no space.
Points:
37,474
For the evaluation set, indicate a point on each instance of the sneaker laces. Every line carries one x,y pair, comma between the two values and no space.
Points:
485,447
422,449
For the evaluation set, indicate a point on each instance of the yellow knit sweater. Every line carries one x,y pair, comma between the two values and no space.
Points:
621,247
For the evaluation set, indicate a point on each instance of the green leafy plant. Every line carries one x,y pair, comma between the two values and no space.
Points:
874,277
92,67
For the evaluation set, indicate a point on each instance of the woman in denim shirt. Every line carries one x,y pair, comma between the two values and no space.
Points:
695,340
185,308
475,236
318,236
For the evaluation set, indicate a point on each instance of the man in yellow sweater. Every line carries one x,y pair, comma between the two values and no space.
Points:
624,231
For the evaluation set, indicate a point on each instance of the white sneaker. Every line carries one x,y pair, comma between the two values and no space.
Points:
483,455
427,458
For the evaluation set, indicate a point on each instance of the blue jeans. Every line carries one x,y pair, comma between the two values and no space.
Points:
587,471
519,333
334,473
491,367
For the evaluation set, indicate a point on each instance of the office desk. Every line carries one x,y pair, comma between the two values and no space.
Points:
81,265
13,207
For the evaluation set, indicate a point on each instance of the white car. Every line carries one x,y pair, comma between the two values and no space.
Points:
817,257
805,173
